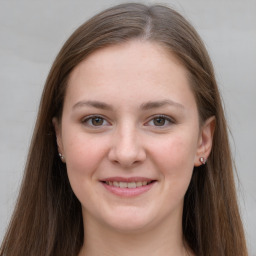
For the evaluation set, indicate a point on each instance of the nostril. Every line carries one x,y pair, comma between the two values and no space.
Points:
126,158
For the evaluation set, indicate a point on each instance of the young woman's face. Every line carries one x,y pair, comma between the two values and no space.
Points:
130,136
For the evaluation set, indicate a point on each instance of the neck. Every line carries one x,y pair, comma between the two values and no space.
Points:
164,239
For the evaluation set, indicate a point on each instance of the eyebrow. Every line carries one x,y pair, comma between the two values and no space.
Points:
95,104
145,106
158,104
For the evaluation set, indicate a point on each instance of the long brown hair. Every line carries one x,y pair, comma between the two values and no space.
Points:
47,220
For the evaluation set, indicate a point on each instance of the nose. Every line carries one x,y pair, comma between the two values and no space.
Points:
127,148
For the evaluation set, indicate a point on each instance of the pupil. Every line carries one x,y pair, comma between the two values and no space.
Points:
97,121
159,121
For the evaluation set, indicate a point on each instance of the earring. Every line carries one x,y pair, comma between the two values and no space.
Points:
61,156
202,160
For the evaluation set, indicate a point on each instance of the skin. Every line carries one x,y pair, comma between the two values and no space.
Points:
129,139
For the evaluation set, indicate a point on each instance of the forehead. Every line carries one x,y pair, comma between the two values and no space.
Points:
137,69
130,55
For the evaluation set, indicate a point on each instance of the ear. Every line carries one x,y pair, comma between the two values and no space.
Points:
205,140
57,128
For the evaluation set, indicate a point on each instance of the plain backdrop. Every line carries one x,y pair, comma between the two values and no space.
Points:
31,34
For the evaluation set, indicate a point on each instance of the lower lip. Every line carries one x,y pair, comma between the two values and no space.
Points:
128,192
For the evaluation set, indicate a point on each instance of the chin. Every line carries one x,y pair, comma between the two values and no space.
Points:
130,222
130,227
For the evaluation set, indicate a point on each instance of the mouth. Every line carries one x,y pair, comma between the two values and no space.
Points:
128,187
122,184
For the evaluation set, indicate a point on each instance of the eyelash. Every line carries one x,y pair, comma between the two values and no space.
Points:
89,119
164,117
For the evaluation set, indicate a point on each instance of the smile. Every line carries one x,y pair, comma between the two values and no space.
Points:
128,187
121,184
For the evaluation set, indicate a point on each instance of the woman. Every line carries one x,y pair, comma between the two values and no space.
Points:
130,153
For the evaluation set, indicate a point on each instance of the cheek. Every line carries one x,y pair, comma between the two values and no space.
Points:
83,154
175,159
176,150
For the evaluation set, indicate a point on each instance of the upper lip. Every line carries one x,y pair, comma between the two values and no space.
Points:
127,179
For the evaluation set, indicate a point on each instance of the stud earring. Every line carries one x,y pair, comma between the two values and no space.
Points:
202,160
61,156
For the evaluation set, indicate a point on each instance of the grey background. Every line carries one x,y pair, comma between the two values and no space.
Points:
31,34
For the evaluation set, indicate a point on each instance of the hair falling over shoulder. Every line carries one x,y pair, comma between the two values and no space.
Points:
47,220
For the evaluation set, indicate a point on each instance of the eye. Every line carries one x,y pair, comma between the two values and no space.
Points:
160,121
95,121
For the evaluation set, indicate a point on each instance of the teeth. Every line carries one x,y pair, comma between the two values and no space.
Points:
131,185
115,184
139,184
127,184
123,184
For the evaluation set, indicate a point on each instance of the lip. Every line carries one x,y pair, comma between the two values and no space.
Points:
127,179
128,192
